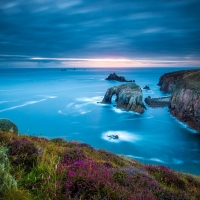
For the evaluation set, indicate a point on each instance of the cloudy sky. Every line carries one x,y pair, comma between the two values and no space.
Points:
107,33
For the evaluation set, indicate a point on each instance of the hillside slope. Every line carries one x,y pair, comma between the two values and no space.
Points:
38,168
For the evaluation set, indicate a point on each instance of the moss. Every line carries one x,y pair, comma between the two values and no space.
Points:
7,126
187,79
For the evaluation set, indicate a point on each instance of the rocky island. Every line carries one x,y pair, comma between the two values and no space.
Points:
157,102
128,97
114,77
185,101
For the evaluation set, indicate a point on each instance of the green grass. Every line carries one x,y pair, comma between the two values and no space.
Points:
73,170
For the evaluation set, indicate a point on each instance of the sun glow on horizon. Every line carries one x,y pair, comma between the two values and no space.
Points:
118,62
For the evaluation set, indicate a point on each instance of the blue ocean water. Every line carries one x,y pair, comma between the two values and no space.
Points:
53,103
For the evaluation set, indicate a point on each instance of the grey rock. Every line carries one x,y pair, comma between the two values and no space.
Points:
129,97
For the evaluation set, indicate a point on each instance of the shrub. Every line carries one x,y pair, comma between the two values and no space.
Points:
59,141
7,126
23,153
15,194
7,182
88,180
166,176
85,145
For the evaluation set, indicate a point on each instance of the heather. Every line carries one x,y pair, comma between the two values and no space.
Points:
38,168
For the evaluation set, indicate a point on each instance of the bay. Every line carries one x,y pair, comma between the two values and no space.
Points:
53,103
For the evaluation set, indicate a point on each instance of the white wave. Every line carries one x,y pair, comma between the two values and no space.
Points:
62,113
123,136
48,96
84,112
157,160
77,106
90,100
70,105
51,97
184,125
118,110
148,91
22,105
147,159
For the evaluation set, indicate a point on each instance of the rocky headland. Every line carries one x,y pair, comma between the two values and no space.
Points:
128,97
114,77
185,101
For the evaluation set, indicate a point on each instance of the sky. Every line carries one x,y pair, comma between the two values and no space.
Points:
101,33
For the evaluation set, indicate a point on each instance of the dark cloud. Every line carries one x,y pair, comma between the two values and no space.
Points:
87,28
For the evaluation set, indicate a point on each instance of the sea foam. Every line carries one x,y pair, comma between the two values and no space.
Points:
123,136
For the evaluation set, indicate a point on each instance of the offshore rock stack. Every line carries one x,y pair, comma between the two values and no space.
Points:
114,77
129,97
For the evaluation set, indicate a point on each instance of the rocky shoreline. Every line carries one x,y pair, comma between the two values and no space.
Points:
185,101
157,102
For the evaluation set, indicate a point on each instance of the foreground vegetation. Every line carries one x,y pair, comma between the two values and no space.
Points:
38,168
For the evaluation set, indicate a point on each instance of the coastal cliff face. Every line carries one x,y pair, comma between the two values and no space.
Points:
185,100
128,97
185,105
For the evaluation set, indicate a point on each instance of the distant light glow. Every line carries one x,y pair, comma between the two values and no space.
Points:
84,59
118,62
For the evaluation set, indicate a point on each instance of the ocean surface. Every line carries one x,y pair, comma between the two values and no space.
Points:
53,103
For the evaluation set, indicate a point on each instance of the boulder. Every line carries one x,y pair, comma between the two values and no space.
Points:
146,88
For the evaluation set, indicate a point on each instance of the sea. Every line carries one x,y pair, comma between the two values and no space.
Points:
54,103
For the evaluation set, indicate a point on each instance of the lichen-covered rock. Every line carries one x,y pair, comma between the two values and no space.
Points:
6,180
129,97
7,126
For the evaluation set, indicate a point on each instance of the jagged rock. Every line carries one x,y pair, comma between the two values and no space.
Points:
113,136
185,101
114,77
157,102
7,126
146,88
128,97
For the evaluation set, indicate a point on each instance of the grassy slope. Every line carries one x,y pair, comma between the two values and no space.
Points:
190,79
72,170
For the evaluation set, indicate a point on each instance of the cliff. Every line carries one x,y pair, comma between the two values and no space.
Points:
185,100
128,97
